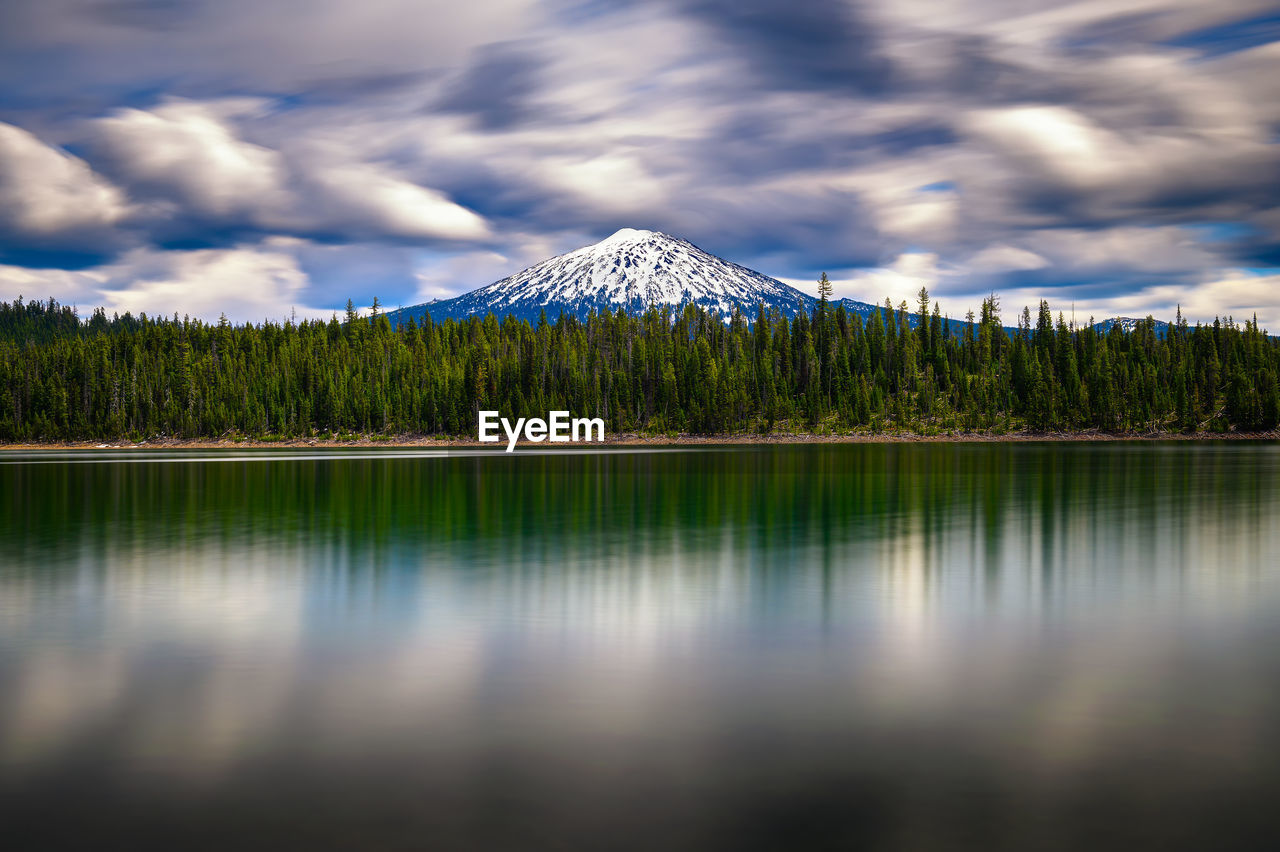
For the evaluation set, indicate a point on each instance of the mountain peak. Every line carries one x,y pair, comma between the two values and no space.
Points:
628,235
633,270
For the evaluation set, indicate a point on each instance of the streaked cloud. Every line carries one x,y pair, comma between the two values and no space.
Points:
52,200
184,153
247,283
1069,150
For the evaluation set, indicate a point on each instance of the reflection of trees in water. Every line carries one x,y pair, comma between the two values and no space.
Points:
973,513
796,627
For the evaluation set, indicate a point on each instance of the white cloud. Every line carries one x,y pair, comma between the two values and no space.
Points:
615,183
186,150
248,283
1093,272
443,277
45,191
369,198
1061,139
1058,139
189,152
1100,274
1123,251
1228,292
1005,258
453,276
1232,293
68,286
899,281
916,215
1113,174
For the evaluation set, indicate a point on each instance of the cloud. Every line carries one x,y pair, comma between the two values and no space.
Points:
69,50
439,280
1129,272
1152,252
337,272
1004,258
899,281
186,153
51,199
248,284
68,286
608,184
824,44
1042,148
496,88
1235,293
188,156
1089,267
1066,166
362,199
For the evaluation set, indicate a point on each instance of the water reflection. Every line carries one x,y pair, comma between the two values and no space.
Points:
1006,645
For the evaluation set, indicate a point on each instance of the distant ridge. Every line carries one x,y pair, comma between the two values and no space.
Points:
1128,324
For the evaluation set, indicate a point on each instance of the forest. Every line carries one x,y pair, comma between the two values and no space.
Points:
903,370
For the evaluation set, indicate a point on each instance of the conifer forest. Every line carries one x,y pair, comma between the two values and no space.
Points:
903,370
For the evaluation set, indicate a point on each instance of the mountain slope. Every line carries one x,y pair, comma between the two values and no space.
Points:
632,270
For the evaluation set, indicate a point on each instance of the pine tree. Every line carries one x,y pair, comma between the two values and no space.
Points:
64,378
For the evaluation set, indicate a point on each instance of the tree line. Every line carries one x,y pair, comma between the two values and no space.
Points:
899,369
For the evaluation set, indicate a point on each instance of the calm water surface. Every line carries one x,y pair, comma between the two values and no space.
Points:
882,647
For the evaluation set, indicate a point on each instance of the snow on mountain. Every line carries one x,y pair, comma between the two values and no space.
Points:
631,269
634,269
1128,324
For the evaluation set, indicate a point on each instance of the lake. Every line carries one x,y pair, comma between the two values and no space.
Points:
919,646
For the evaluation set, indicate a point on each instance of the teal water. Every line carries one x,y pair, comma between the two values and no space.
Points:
1010,646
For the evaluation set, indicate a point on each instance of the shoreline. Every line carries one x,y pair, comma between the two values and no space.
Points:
636,440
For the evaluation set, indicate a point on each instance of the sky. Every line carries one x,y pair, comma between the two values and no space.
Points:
268,158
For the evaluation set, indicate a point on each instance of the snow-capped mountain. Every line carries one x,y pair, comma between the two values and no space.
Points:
1128,324
631,269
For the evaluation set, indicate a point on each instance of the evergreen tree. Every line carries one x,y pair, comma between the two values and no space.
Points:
62,378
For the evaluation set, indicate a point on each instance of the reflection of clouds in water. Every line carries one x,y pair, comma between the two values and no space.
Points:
189,655
195,670
55,696
1048,635
204,672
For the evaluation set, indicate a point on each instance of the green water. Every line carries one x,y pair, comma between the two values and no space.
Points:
892,647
